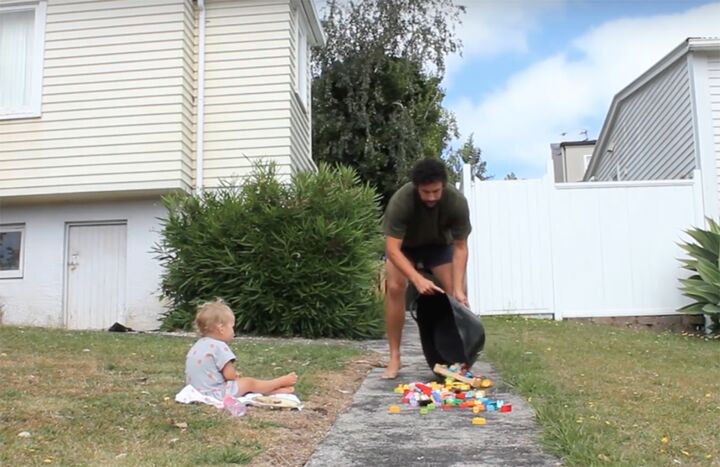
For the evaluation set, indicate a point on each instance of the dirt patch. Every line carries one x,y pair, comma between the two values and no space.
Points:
297,434
672,323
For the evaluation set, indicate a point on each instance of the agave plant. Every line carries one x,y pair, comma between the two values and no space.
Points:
704,262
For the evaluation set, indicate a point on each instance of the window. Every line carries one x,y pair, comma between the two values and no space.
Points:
22,38
11,251
302,62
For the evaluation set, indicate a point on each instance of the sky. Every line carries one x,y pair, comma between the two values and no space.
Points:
536,72
532,70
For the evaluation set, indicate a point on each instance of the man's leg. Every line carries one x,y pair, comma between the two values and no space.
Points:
395,285
444,273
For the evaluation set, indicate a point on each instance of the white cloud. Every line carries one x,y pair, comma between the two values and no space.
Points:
492,27
562,93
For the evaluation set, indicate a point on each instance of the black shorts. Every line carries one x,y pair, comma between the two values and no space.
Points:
429,256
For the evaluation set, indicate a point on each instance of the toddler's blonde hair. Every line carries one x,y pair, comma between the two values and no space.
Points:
210,314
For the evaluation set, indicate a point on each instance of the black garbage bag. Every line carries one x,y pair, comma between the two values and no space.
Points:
117,327
449,332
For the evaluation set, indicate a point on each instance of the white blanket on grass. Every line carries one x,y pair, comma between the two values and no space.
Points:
189,394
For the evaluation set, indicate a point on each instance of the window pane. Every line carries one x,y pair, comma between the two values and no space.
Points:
16,50
10,251
302,65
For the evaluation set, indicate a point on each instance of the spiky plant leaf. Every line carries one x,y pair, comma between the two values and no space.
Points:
700,288
696,251
704,286
708,272
696,307
709,241
714,226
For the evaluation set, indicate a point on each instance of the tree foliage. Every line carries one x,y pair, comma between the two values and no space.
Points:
377,100
468,153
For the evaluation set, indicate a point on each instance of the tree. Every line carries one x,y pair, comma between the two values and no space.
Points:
468,153
511,176
377,100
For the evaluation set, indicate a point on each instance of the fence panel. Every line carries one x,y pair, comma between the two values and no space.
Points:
580,249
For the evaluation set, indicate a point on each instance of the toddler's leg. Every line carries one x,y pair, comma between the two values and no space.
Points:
267,386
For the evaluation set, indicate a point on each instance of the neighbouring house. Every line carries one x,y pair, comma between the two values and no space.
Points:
571,159
107,105
607,248
666,123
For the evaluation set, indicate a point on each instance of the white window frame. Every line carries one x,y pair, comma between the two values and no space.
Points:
302,65
15,273
35,107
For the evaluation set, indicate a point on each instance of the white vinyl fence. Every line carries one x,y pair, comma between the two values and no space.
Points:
578,249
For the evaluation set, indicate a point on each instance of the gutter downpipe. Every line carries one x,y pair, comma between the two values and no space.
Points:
200,130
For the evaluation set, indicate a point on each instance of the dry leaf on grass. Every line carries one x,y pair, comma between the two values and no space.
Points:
182,425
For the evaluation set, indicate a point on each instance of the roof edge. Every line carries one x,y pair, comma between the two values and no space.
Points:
703,43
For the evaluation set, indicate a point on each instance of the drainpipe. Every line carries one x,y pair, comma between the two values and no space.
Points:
200,130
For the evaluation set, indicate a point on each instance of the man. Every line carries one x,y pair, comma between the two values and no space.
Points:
428,222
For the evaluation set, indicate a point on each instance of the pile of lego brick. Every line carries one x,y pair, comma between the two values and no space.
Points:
451,394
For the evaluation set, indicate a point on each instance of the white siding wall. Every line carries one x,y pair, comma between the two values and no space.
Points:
248,87
117,111
301,113
38,298
189,94
714,86
652,135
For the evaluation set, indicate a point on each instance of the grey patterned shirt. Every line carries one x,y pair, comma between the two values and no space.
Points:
203,366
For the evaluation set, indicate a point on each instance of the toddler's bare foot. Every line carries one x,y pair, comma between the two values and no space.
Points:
285,390
288,380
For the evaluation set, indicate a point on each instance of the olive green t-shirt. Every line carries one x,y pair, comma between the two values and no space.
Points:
408,218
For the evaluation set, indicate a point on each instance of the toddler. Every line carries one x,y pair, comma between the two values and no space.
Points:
209,365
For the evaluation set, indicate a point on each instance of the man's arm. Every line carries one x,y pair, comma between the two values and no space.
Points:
459,266
396,256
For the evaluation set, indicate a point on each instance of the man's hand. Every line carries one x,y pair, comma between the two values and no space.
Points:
426,286
461,297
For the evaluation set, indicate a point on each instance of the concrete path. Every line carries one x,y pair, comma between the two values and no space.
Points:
369,435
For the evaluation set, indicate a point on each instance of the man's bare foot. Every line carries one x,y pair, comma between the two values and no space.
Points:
284,390
392,369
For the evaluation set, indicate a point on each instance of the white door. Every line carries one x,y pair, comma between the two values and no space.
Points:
96,259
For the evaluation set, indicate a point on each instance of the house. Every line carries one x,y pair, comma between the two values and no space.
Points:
105,106
570,159
666,123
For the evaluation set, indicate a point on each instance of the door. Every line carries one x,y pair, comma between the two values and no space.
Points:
96,263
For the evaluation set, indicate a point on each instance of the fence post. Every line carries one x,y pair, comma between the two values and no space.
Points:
549,186
467,189
698,199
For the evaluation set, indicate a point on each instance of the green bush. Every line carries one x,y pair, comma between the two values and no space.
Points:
297,258
704,262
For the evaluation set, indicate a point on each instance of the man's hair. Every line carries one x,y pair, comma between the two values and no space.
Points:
210,314
428,171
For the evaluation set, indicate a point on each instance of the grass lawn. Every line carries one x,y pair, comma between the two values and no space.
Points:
613,396
97,398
